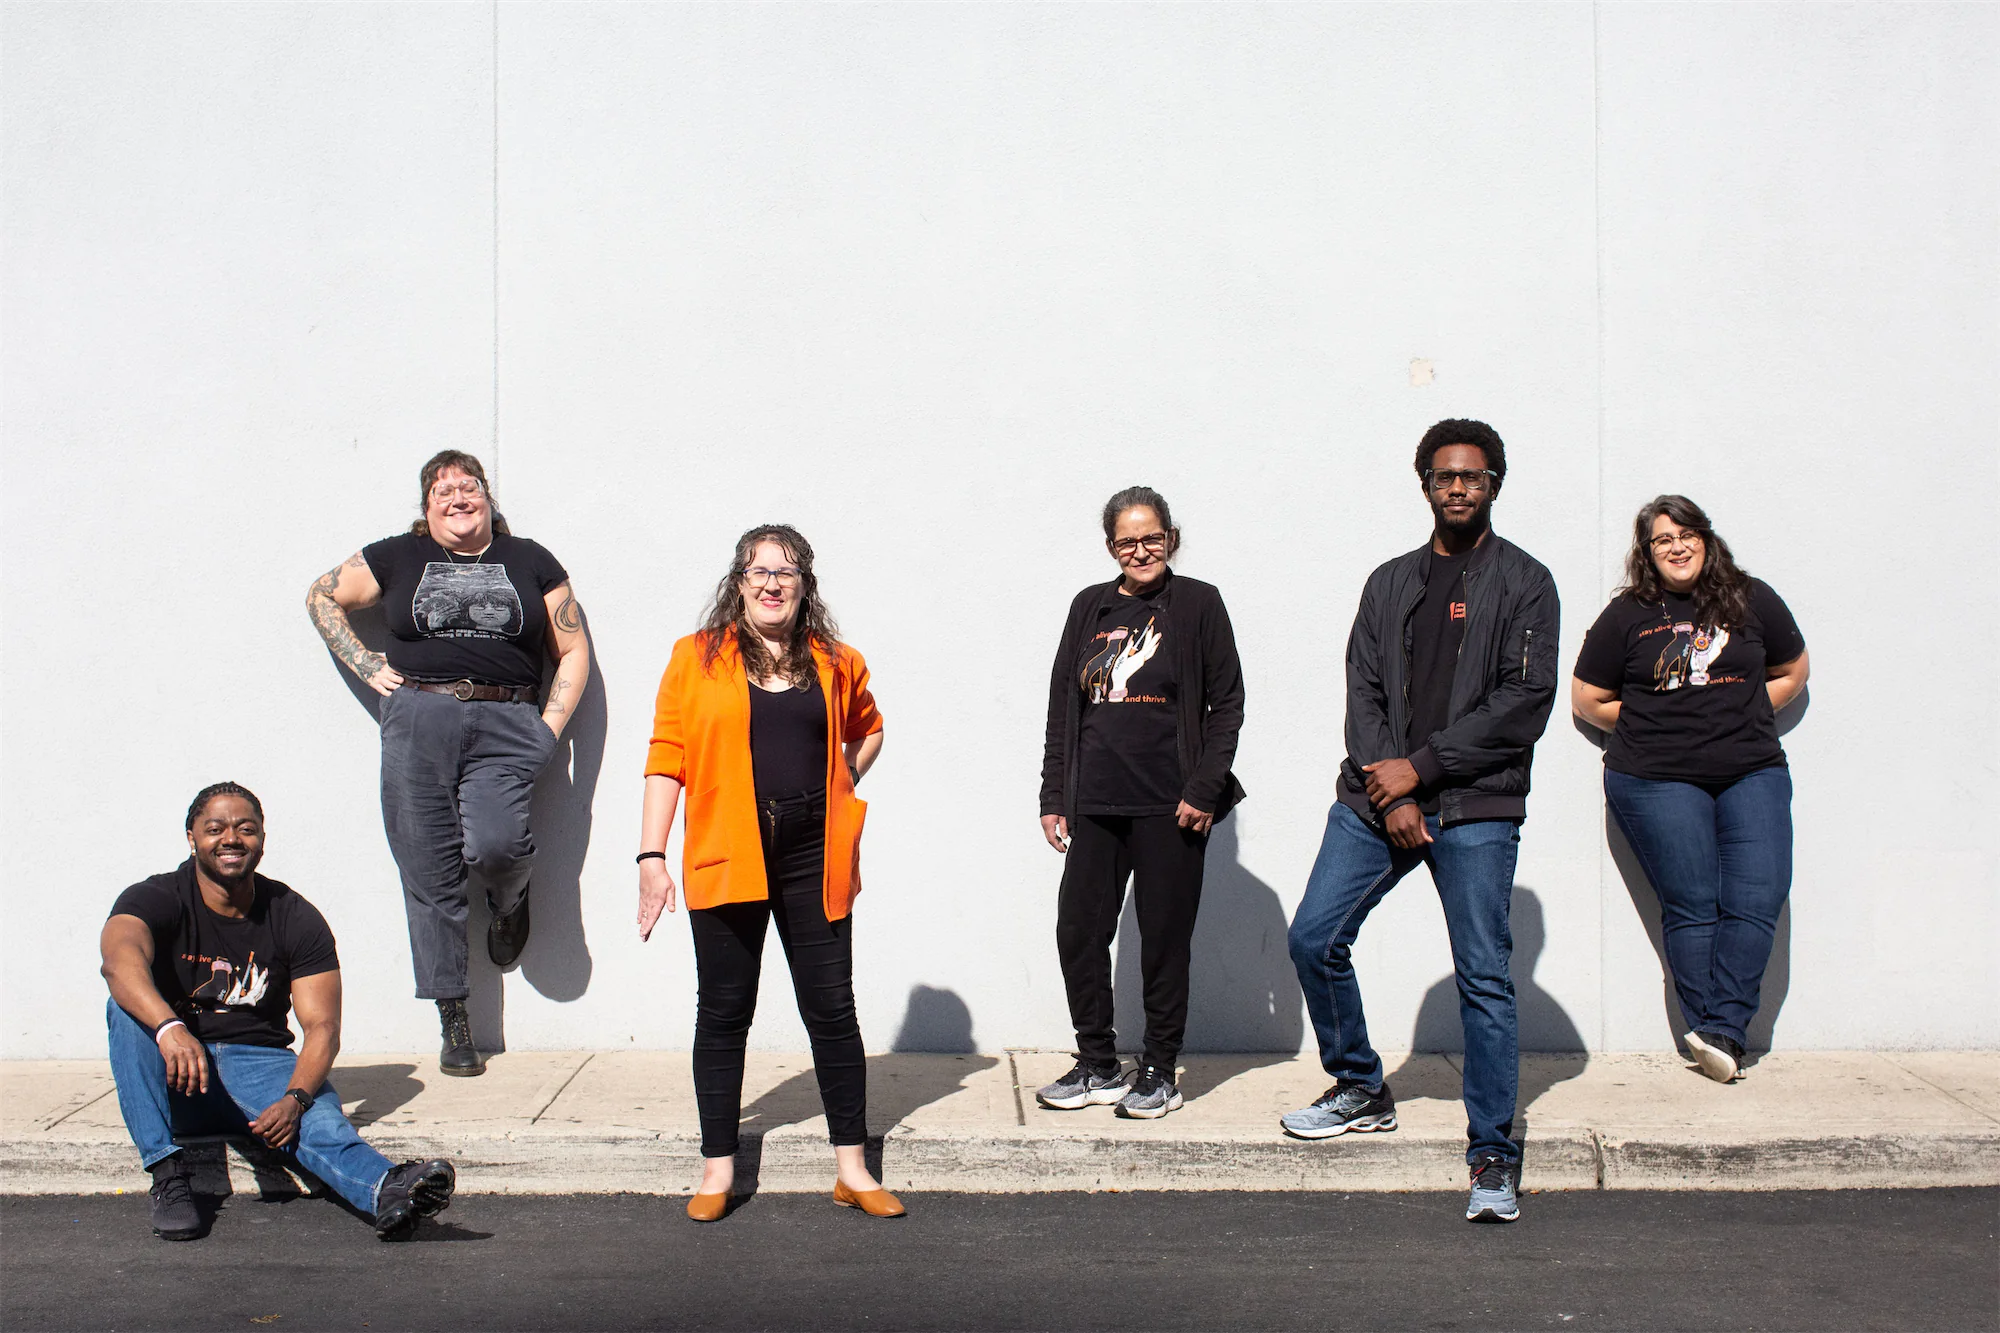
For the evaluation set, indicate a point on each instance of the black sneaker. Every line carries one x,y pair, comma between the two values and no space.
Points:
458,1057
411,1191
1153,1094
1085,1085
174,1215
508,935
1339,1110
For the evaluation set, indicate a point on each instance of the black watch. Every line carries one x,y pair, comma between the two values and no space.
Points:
301,1096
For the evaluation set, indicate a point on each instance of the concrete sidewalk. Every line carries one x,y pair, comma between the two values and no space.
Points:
567,1122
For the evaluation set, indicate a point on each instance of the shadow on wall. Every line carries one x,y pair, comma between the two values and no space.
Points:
1544,1024
1777,974
557,960
932,1059
1243,994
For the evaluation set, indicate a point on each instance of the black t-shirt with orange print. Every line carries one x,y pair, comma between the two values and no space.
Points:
1128,748
230,978
1693,702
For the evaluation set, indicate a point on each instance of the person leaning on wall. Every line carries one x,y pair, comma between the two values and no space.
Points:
1687,669
471,609
1451,676
765,719
1145,704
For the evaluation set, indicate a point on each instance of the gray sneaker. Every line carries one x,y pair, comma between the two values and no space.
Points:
1084,1086
175,1216
1153,1095
1342,1111
1494,1198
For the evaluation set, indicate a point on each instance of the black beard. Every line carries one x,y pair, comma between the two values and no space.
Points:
215,872
1477,521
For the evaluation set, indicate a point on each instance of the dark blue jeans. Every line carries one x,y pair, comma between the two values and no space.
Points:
1720,859
1473,868
242,1082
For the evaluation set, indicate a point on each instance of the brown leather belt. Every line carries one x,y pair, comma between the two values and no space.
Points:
465,691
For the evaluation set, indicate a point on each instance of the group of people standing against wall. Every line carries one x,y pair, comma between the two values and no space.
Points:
765,725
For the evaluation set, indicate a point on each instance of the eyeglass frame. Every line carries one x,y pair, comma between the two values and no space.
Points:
1690,539
1490,482
1124,547
458,489
748,577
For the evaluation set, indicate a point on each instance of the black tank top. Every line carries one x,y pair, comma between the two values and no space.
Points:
788,741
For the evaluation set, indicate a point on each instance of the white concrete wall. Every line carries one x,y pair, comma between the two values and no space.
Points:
930,282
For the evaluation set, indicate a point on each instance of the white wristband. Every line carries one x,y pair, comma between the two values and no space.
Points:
161,1031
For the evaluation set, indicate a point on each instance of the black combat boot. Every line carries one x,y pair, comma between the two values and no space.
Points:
508,935
459,1058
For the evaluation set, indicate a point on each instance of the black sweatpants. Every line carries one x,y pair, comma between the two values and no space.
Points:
1164,863
729,954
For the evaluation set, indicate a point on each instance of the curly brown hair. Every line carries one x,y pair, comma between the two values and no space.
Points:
471,467
1721,591
814,627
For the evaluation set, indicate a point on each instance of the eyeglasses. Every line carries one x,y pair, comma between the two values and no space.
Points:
445,491
757,577
1129,546
1474,479
1666,542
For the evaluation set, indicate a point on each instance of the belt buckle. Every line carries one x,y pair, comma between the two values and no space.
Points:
461,690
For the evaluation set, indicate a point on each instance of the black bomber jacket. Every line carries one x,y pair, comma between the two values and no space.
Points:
1501,692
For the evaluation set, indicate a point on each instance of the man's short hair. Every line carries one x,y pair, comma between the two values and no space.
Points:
1456,430
213,790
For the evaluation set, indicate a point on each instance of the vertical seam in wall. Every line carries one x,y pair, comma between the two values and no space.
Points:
1597,253
496,244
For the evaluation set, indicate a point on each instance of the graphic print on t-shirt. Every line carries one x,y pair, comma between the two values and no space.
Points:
1116,656
1687,655
467,602
227,987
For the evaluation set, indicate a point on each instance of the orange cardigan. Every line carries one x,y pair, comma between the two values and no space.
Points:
701,739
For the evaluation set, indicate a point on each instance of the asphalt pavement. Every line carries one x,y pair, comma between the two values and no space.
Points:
1855,1259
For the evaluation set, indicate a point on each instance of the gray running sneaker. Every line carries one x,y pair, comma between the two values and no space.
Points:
1085,1085
1153,1095
1342,1111
1494,1198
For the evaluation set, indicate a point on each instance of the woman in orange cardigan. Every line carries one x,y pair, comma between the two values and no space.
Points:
765,719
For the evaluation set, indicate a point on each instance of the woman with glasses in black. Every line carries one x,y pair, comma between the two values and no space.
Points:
1687,669
1145,702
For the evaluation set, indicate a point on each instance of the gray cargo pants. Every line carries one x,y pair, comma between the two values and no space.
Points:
456,782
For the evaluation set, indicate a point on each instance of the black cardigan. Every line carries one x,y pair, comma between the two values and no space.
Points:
1211,696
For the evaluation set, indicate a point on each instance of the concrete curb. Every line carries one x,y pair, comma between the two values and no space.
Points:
547,1123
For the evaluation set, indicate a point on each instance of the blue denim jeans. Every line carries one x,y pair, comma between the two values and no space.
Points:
1720,859
242,1081
1473,868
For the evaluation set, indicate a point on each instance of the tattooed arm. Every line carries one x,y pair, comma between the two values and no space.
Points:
570,646
349,587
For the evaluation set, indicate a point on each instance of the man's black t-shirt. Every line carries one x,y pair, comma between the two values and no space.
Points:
1128,748
1437,629
230,979
1694,707
461,617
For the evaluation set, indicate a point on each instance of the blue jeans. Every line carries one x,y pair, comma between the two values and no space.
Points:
1473,868
1720,859
242,1081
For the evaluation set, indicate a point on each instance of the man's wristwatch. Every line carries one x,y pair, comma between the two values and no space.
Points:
301,1096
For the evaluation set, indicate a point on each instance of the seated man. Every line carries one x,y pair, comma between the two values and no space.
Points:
203,963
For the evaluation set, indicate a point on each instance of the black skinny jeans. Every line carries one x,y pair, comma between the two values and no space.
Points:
1164,863
728,956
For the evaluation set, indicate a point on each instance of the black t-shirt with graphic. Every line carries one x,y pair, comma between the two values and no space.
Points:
460,617
1693,701
1128,749
228,978
1437,629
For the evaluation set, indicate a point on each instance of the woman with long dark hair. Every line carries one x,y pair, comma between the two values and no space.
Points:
765,720
1145,703
473,611
1687,669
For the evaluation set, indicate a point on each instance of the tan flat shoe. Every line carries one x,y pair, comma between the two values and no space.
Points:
875,1203
708,1207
